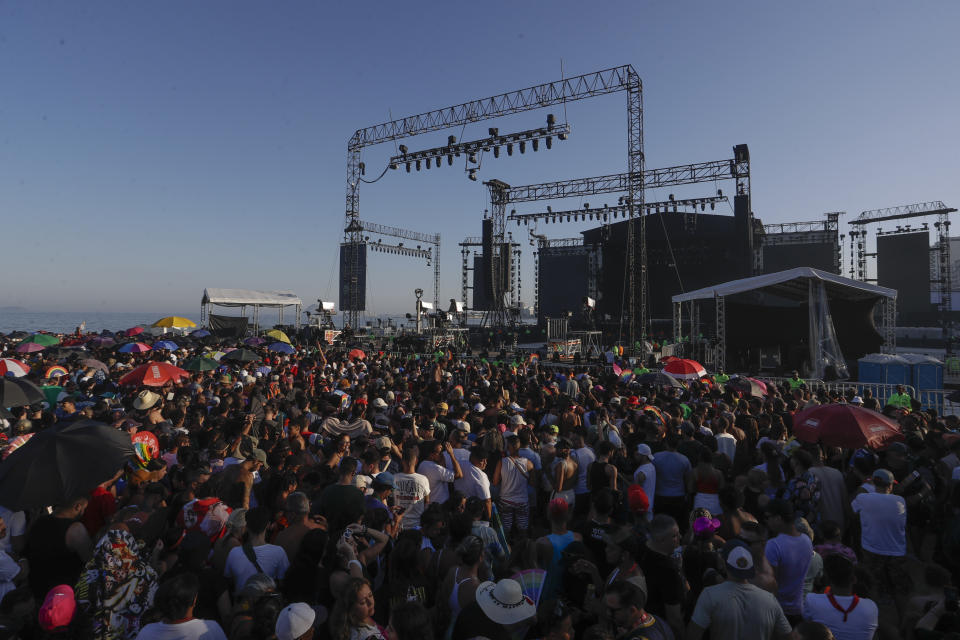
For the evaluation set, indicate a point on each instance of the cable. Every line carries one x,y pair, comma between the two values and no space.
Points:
385,169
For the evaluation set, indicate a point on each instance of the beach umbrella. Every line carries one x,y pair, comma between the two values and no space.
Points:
43,339
356,354
134,347
254,341
55,371
165,344
200,364
61,463
750,386
16,443
281,347
153,374
685,369
240,355
102,341
13,368
51,392
276,334
29,347
200,333
17,392
847,426
264,370
659,379
175,322
72,342
93,363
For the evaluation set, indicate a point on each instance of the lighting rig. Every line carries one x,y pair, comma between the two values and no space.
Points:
613,80
434,157
360,228
606,212
858,249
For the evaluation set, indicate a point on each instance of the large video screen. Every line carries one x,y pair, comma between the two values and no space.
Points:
903,263
562,281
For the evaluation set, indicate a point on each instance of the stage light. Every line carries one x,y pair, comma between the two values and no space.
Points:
549,209
605,217
549,142
536,147
363,168
674,207
561,136
418,165
509,149
449,160
586,205
393,165
496,152
568,217
403,149
670,197
428,163
472,158
472,175
719,193
713,206
523,146
451,140
703,205
408,167
551,120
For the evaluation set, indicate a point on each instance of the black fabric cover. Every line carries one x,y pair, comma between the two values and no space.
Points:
228,326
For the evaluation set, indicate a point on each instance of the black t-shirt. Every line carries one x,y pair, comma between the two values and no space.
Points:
664,582
593,533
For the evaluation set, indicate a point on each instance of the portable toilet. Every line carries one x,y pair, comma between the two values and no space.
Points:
926,371
883,368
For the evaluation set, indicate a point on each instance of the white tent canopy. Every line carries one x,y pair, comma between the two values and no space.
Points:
785,282
253,298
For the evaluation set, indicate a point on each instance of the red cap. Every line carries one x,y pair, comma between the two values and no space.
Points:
58,608
634,401
637,499
558,507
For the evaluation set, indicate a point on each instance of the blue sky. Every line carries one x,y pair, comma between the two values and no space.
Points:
149,150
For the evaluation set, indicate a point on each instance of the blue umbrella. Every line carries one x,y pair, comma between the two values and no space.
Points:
264,370
254,341
200,333
281,347
165,344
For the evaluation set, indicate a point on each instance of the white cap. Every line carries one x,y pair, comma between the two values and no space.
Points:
856,400
644,450
479,408
294,621
463,425
517,420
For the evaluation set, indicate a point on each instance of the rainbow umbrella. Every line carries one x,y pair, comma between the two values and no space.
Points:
134,347
626,375
29,347
531,581
15,368
55,372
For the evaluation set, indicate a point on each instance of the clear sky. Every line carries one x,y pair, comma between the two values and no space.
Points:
151,149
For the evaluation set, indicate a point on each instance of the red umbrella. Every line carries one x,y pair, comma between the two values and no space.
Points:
685,369
153,374
847,426
356,354
14,367
134,331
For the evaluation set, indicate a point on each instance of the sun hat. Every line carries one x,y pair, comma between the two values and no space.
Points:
294,621
58,608
145,399
856,400
739,560
504,603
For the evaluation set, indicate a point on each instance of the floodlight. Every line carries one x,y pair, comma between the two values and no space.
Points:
328,306
523,146
403,149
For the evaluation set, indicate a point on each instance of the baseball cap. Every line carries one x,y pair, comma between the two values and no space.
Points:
517,420
615,400
383,443
379,403
385,479
443,406
479,408
644,450
884,477
294,621
463,426
739,560
58,608
552,428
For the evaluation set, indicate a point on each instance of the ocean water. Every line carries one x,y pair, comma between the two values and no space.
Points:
67,321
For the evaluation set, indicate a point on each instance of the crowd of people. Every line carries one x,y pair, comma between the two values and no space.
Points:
329,494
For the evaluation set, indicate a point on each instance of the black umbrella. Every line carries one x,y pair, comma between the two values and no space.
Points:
659,379
61,463
241,355
746,385
17,392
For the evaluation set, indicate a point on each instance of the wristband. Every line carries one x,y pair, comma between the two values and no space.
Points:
356,562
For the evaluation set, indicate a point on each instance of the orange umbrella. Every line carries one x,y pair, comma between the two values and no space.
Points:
153,374
356,354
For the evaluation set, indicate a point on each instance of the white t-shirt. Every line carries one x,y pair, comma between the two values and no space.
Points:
16,522
474,482
273,560
514,478
411,492
727,445
189,630
883,520
438,477
462,456
583,457
861,623
649,483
